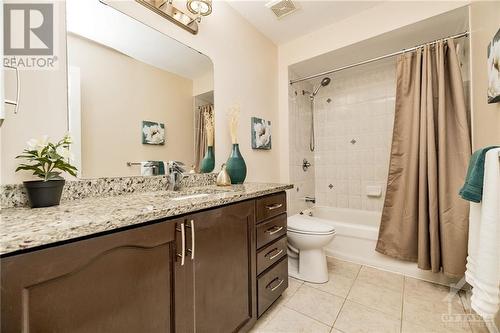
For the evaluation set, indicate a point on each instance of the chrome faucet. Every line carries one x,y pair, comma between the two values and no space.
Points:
175,171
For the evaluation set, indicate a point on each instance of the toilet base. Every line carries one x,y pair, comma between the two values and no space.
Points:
310,266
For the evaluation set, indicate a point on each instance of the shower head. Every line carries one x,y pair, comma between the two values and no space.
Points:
324,82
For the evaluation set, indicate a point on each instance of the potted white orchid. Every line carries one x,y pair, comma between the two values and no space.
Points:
47,160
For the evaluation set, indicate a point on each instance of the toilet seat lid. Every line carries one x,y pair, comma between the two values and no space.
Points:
309,226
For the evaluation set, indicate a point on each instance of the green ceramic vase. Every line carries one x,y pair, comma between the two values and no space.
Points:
236,167
208,163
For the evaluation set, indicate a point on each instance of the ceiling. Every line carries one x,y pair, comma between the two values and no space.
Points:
437,27
311,16
118,31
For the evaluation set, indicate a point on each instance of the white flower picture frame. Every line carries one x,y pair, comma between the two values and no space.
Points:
494,69
261,134
153,133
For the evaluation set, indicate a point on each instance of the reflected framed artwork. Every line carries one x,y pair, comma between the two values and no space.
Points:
153,133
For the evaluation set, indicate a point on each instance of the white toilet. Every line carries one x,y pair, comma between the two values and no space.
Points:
306,239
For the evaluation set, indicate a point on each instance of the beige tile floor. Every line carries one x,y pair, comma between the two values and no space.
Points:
363,299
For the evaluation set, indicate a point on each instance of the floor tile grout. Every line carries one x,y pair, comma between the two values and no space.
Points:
303,284
345,298
348,283
306,315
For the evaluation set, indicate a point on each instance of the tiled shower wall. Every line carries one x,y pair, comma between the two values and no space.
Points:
354,117
299,127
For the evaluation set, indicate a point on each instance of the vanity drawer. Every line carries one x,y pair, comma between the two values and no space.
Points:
271,230
271,254
271,285
270,206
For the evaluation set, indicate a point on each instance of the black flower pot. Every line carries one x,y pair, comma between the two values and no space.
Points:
44,193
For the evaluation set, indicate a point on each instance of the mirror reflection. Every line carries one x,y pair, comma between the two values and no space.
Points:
137,98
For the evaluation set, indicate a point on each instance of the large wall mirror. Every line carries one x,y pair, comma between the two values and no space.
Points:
136,97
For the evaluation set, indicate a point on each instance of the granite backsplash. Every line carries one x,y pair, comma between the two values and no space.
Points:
15,195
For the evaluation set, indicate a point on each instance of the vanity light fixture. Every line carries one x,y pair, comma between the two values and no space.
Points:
200,7
186,21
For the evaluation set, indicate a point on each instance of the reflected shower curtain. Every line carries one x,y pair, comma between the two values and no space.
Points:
200,140
423,218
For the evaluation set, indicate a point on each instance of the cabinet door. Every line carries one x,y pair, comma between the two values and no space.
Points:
121,282
223,268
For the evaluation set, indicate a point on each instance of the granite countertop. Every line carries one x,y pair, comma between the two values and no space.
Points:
25,228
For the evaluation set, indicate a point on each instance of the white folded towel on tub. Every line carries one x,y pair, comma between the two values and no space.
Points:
483,261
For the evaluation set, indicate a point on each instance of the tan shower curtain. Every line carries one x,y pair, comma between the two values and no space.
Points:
423,218
200,140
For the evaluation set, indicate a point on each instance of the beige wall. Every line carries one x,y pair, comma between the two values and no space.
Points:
484,23
118,93
388,16
203,84
42,107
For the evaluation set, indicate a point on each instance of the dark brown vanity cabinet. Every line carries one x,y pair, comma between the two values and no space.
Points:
121,282
218,273
196,273
272,263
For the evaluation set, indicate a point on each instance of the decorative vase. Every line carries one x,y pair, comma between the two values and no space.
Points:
236,167
208,162
44,193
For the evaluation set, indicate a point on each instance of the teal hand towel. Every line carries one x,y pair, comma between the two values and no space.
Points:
473,187
161,167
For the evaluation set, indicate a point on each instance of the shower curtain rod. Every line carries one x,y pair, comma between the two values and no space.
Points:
460,35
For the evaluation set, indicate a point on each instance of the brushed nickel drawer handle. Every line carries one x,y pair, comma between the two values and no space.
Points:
276,286
274,255
191,250
274,230
274,206
182,255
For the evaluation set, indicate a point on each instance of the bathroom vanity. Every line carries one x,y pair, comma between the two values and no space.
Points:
145,262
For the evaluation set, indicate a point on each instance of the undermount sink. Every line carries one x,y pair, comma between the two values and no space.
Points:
190,196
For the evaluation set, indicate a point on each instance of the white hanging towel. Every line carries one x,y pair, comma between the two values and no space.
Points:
483,261
146,169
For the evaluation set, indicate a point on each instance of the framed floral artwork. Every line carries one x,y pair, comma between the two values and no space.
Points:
494,69
261,134
153,133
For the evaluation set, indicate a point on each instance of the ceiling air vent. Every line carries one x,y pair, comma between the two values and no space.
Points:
282,8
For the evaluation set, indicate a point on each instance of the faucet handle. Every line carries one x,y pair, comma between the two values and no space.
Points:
176,166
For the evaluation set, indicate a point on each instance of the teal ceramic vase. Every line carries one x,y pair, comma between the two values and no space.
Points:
236,167
208,163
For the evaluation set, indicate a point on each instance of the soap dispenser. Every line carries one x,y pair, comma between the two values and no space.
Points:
223,178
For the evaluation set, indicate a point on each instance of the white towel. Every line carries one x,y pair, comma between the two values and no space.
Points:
146,169
483,261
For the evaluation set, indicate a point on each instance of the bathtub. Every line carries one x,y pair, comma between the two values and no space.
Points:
356,238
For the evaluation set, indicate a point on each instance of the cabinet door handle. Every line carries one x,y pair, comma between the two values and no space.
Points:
182,255
276,254
274,206
276,286
274,230
191,250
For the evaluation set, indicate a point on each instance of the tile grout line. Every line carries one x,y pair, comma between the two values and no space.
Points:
308,316
284,303
304,314
338,313
345,299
